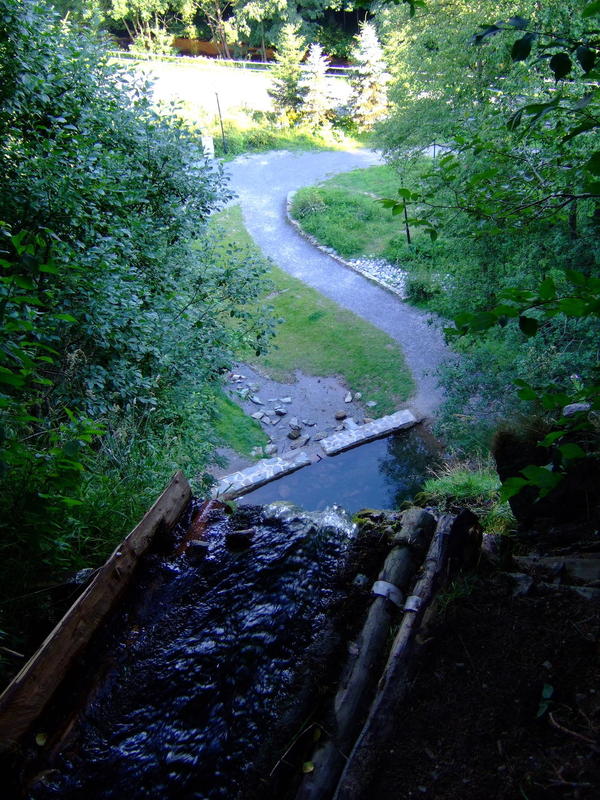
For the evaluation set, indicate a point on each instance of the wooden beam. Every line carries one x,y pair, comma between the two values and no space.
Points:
27,695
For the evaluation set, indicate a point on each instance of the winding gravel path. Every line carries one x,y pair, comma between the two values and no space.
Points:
262,183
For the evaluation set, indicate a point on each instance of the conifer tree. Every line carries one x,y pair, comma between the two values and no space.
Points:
316,100
370,78
287,72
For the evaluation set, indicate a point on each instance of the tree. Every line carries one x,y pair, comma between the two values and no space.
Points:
316,101
251,13
369,79
287,73
146,21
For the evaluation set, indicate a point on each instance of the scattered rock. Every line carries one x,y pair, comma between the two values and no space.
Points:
286,400
371,403
358,395
281,412
270,412
243,393
361,581
235,377
300,442
253,387
275,420
350,424
294,433
522,583
257,401
271,450
266,420
348,398
294,424
340,415
256,452
321,435
196,551
257,415
239,538
575,408
309,423
82,576
339,428
368,419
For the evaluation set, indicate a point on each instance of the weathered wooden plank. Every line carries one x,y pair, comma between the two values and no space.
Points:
29,692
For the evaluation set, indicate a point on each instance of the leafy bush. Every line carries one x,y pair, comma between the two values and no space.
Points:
116,308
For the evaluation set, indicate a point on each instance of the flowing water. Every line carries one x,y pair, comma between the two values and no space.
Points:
206,677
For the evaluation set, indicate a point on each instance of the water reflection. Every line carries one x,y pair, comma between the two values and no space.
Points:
380,474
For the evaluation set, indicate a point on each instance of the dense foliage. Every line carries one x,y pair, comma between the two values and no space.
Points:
513,196
117,313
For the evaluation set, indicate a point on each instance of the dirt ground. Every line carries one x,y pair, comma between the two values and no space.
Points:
506,703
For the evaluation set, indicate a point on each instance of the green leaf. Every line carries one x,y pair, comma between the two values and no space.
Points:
573,306
593,163
522,47
571,451
528,325
542,477
547,289
511,487
64,317
586,57
561,65
575,277
591,9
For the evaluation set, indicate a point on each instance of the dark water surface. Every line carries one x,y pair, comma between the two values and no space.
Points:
207,676
380,474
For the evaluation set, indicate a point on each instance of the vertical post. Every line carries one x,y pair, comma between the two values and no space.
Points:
406,221
221,121
434,150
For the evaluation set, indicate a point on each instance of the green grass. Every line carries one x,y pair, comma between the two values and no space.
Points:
474,485
320,338
236,429
343,213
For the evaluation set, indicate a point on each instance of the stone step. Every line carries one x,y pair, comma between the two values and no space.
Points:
368,432
246,480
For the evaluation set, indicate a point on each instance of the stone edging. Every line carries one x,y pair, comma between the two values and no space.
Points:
332,254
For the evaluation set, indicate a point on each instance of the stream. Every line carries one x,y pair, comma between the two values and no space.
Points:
209,670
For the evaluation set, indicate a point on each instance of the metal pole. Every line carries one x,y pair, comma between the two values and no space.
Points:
221,121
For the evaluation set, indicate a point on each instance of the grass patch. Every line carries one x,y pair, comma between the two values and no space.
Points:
235,429
319,337
342,213
474,485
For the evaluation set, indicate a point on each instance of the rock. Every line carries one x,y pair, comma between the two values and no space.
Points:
350,424
367,420
275,420
256,452
243,393
257,401
266,420
309,423
294,424
575,408
358,395
82,576
235,377
371,403
294,433
196,551
253,387
522,583
339,428
238,539
361,581
340,415
271,450
321,435
257,415
348,398
281,412
300,442
286,400
270,412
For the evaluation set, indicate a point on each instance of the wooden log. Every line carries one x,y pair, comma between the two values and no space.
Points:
29,692
352,700
399,670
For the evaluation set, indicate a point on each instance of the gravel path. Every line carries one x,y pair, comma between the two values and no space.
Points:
262,183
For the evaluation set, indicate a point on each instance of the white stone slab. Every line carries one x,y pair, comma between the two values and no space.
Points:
246,480
367,433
